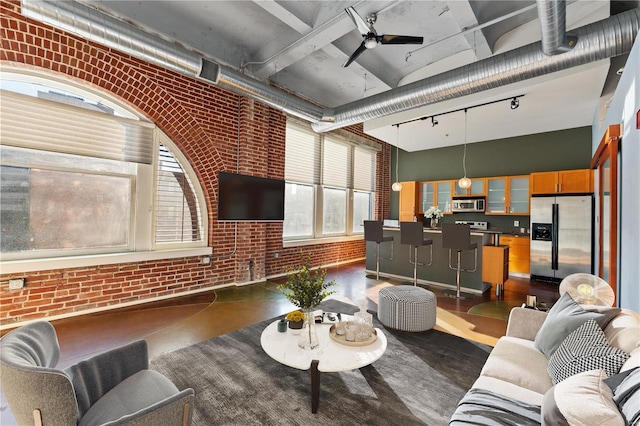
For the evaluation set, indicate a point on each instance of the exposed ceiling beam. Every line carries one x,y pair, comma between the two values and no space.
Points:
461,13
312,39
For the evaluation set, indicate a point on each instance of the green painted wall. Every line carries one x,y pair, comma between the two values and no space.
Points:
560,150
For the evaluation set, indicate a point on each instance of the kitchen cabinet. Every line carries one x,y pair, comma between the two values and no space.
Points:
519,253
562,182
408,208
508,195
443,195
477,188
495,266
427,195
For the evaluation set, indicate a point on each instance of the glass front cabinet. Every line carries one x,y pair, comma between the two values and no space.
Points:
436,193
477,188
508,195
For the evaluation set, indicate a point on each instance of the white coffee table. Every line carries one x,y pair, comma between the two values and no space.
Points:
329,356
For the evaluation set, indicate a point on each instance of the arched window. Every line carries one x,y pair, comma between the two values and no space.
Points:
83,176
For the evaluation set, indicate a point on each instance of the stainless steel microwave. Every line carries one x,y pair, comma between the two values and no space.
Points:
468,205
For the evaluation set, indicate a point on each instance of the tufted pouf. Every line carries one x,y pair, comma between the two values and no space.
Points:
407,308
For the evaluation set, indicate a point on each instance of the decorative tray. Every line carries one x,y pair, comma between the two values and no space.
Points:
341,340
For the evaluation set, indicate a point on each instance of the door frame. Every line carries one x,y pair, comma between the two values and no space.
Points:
608,149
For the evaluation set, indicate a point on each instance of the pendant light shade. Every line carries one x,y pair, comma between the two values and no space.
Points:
397,186
464,181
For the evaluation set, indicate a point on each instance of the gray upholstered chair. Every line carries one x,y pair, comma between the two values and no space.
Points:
113,388
412,234
457,237
374,232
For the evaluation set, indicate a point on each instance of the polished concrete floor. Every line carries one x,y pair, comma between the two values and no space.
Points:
177,323
180,322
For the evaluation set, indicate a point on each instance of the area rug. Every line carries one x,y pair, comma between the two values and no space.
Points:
497,309
419,380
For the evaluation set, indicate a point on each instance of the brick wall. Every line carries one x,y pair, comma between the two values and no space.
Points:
204,122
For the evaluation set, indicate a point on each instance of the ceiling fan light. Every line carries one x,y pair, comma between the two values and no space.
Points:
370,43
464,182
397,187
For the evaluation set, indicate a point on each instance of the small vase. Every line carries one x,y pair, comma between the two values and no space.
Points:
309,336
295,327
434,223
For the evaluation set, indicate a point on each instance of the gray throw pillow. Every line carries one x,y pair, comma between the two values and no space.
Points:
585,349
564,317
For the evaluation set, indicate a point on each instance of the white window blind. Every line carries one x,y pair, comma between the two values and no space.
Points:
302,155
336,163
364,169
178,213
29,122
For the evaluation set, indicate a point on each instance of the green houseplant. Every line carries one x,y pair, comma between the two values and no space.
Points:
306,289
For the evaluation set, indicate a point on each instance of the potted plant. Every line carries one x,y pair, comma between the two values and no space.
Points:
306,289
295,320
433,213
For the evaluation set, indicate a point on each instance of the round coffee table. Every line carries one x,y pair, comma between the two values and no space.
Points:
330,356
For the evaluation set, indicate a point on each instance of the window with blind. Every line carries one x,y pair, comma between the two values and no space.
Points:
78,172
330,185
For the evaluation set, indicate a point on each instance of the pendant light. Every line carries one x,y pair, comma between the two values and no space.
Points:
464,181
397,186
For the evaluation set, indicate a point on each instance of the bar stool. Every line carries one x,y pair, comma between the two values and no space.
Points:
373,232
411,233
458,237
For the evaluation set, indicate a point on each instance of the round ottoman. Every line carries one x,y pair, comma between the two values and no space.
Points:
407,308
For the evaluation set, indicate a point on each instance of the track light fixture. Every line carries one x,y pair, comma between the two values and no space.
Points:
434,122
515,103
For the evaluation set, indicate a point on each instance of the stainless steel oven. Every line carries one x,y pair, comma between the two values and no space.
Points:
468,205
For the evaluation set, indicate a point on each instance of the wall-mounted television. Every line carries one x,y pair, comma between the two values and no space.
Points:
249,198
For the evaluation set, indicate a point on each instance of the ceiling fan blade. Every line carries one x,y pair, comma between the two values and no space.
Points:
355,54
399,39
357,19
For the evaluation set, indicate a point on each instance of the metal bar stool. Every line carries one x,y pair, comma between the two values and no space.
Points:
458,237
411,233
373,232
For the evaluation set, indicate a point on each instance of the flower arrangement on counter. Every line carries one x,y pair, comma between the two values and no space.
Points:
433,213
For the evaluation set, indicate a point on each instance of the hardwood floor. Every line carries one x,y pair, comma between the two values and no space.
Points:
176,323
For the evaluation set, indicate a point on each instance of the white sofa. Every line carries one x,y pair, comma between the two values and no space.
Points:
517,370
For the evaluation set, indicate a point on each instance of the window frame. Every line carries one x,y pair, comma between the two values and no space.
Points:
352,142
142,244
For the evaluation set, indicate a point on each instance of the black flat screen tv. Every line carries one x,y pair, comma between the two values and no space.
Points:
249,198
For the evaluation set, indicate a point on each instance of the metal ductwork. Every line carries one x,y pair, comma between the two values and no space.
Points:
608,38
94,25
605,39
553,18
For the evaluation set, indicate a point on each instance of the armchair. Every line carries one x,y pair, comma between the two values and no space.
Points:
112,388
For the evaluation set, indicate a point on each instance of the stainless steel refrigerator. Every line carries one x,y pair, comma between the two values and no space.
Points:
561,236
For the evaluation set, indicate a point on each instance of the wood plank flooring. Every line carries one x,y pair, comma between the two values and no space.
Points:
173,324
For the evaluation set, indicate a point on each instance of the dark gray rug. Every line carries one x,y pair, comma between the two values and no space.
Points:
419,380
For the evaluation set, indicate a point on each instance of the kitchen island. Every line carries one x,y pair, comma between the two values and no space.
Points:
438,274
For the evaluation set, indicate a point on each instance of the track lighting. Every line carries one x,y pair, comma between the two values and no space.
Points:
515,103
434,122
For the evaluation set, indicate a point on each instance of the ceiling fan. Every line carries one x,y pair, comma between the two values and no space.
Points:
370,37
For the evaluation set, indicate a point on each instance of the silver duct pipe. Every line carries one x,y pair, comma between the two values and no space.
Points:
91,24
611,37
608,38
553,19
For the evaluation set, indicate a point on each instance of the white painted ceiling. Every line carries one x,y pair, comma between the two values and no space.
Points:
301,46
